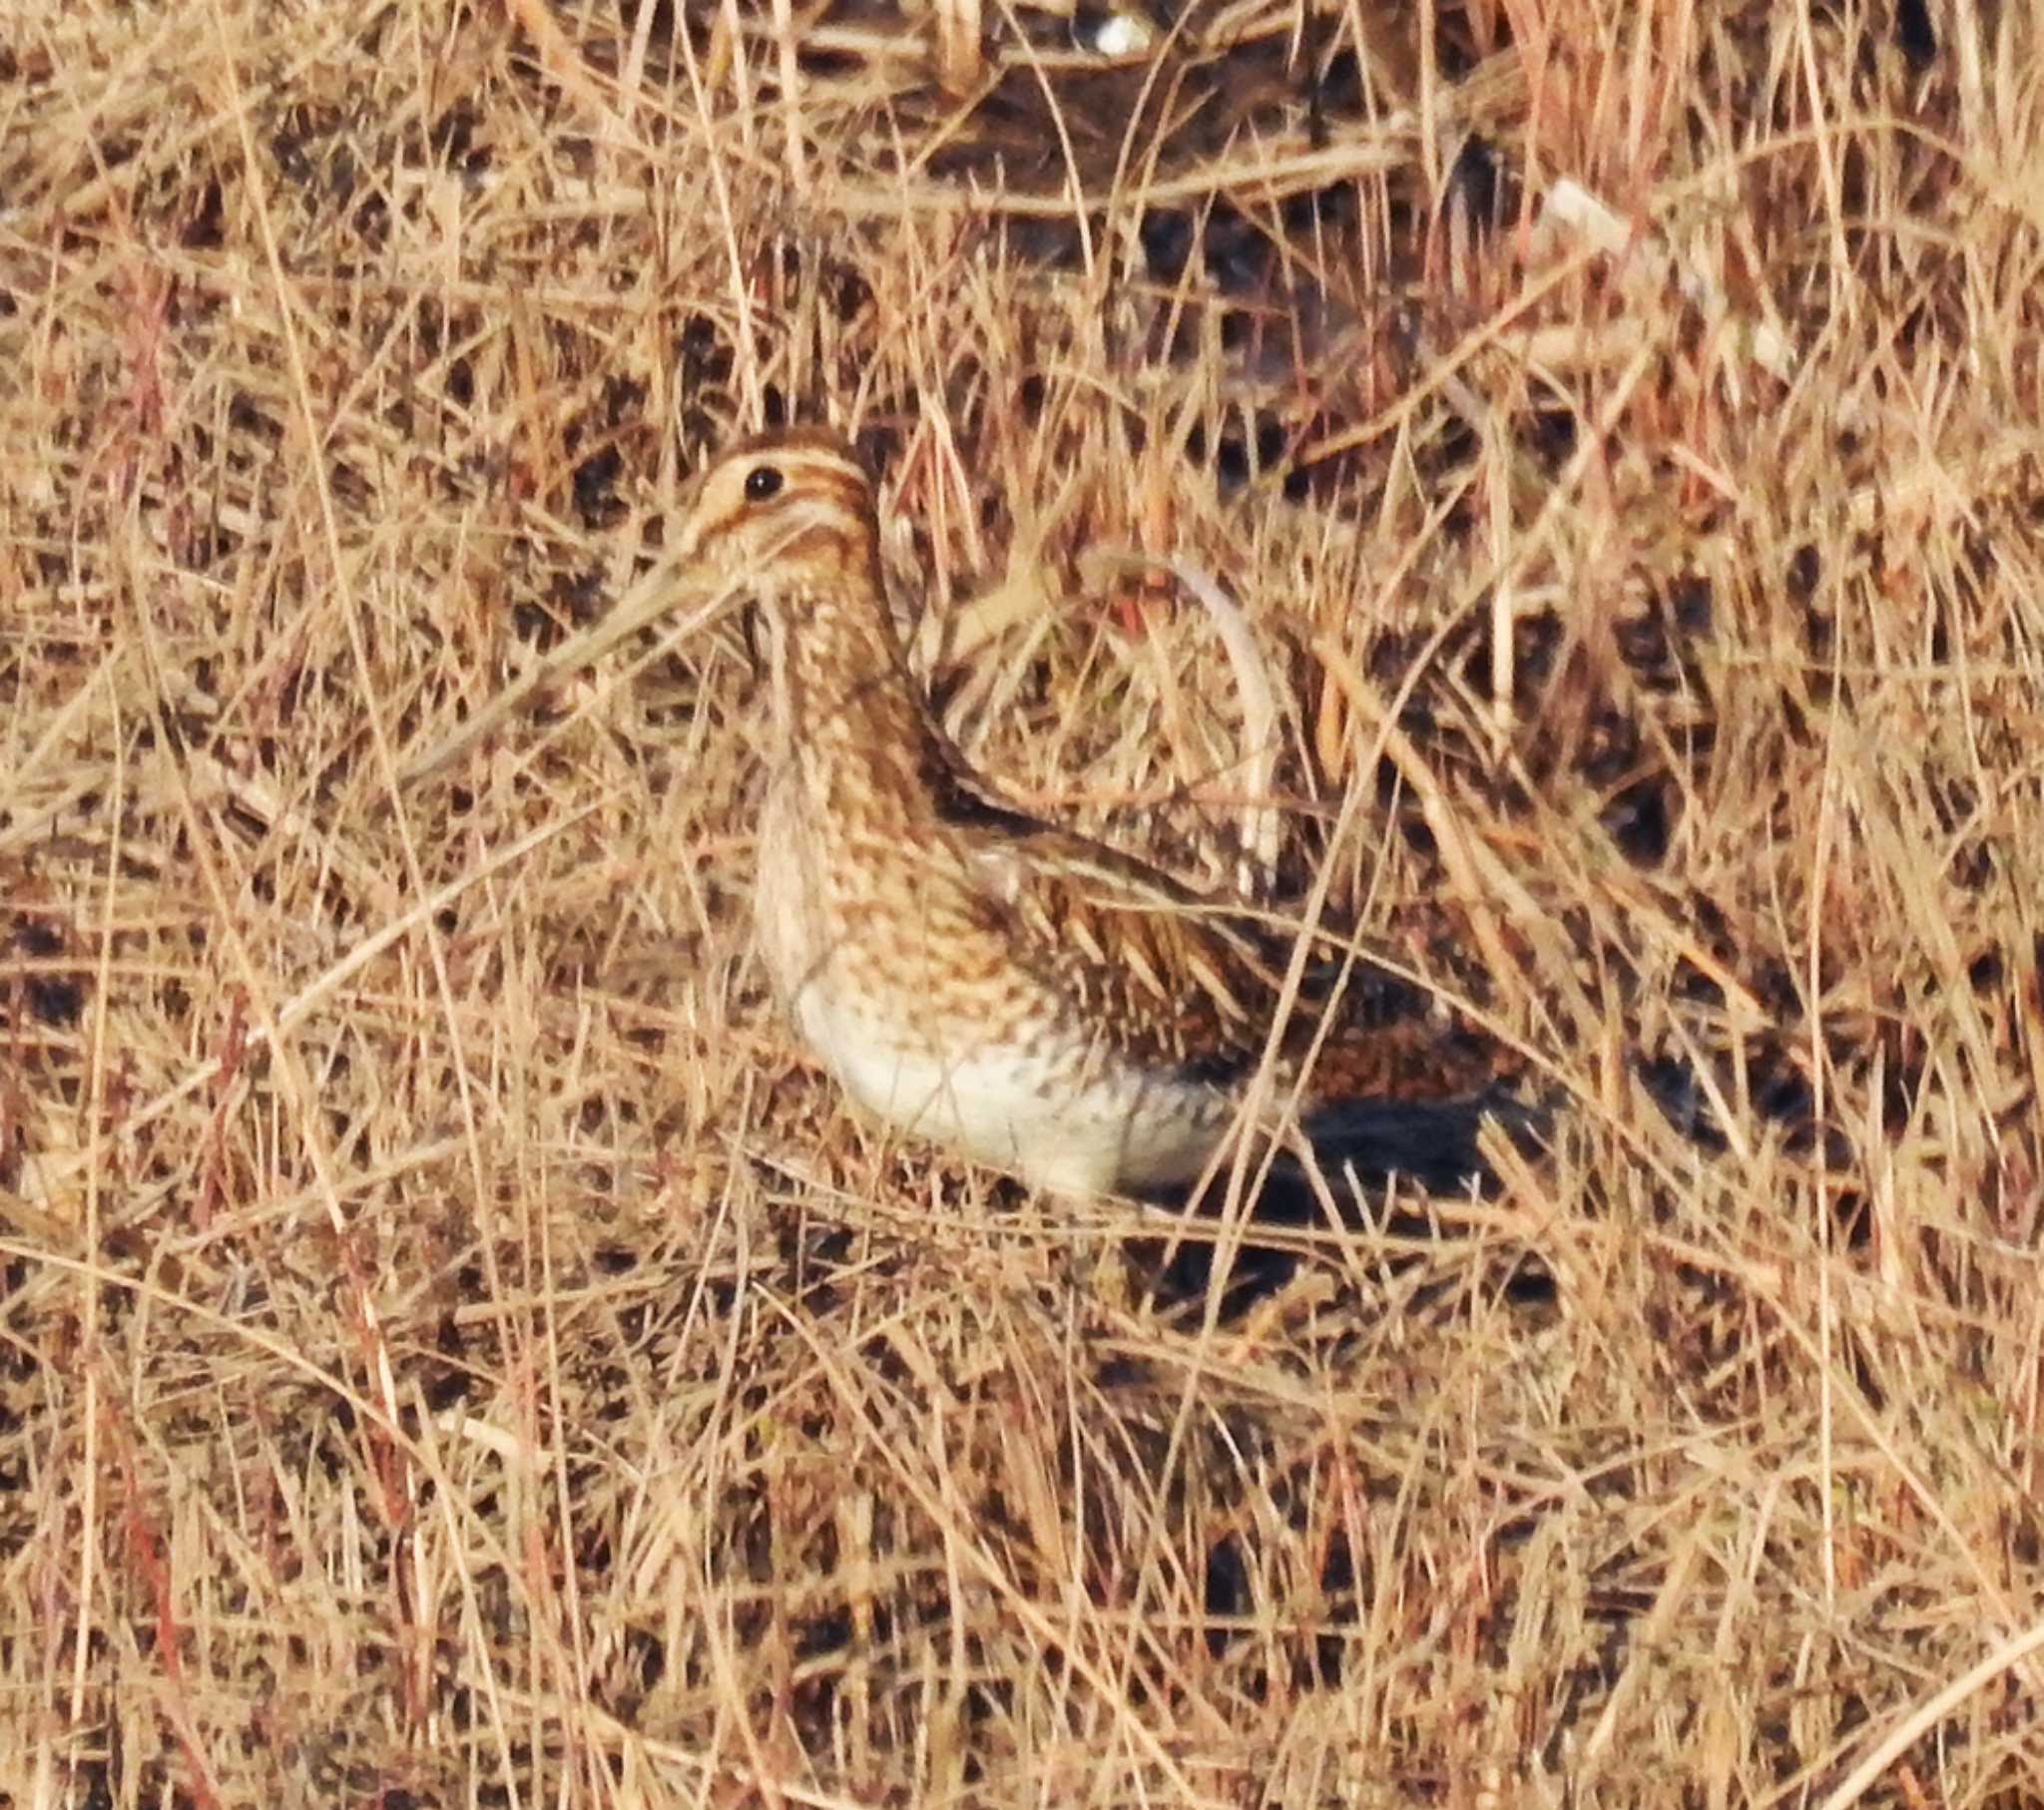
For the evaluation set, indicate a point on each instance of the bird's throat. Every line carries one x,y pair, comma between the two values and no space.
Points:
855,731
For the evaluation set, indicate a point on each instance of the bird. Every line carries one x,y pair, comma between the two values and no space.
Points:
1002,987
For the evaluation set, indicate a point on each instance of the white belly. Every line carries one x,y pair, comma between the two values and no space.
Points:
1059,1121
1105,1131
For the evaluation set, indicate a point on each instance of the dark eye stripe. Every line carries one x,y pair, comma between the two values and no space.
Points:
843,483
805,472
811,491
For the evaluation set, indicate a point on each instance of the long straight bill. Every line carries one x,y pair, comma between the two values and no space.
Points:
657,593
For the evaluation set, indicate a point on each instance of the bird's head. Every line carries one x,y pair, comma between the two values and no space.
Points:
784,522
783,512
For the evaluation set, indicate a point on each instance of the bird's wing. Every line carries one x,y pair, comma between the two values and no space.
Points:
1181,979
1185,978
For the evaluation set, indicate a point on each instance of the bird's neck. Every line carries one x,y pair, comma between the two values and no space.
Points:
854,729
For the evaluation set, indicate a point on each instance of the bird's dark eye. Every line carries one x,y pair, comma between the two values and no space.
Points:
761,482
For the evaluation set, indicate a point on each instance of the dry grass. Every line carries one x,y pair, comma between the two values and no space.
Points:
453,1351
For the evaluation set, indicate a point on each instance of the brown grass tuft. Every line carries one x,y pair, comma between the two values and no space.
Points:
453,1351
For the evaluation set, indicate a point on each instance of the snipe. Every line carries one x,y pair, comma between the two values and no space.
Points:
998,985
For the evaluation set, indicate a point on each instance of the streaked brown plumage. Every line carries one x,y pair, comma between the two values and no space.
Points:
1008,988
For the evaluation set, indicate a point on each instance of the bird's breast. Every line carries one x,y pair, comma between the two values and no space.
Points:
898,976
787,894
